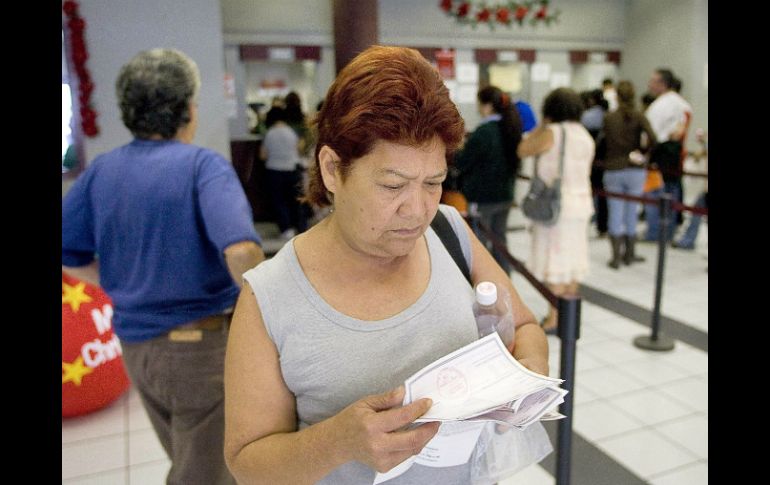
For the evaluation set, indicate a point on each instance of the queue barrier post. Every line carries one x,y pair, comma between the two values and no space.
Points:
568,332
657,341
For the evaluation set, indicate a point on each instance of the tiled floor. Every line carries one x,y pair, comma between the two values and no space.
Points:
646,410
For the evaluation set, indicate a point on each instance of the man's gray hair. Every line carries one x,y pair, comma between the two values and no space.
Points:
155,89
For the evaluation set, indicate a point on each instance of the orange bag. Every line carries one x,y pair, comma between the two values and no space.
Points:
654,180
456,199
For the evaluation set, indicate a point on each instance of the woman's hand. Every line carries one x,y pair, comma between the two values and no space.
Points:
535,365
370,430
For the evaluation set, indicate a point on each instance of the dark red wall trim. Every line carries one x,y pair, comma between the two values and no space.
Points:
578,57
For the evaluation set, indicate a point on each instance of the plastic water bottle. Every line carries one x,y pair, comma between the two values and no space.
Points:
490,314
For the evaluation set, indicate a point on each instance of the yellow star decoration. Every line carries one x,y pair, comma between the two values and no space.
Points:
75,371
74,295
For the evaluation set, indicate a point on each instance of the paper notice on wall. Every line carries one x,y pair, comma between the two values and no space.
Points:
559,80
468,72
506,77
466,93
541,72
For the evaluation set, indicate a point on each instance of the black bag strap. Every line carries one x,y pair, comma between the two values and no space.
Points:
451,242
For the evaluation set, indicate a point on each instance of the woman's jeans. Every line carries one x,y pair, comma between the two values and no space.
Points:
623,213
652,212
688,240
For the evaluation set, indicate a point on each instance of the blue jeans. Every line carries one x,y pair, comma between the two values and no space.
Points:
652,212
688,240
623,213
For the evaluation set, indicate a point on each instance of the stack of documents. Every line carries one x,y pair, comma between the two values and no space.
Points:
483,382
475,384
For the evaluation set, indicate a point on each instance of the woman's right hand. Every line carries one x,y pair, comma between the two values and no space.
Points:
370,430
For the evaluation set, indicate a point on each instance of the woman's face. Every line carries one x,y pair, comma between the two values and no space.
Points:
390,197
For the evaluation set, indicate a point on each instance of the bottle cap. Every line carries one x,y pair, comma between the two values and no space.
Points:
486,293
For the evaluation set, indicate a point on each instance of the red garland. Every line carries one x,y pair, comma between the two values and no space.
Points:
79,55
505,13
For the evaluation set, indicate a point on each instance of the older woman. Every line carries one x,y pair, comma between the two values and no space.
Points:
326,331
560,252
173,232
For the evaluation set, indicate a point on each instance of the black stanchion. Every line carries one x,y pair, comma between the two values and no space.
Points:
569,332
656,341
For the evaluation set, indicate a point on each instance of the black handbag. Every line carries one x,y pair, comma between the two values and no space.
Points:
543,203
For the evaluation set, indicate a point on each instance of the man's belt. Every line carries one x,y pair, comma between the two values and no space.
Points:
192,331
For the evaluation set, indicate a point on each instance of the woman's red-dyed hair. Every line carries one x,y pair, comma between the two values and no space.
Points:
384,93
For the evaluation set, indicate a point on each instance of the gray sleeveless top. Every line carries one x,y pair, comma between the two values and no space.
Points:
329,360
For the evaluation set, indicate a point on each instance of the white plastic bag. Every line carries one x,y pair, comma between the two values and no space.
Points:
504,451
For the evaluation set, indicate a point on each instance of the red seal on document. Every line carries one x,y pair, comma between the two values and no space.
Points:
451,383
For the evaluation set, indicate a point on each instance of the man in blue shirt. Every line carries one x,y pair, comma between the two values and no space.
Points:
164,227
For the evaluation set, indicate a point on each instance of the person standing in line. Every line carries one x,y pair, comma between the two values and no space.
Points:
609,93
488,164
687,240
593,120
676,86
313,391
164,227
668,115
560,252
280,150
527,115
625,172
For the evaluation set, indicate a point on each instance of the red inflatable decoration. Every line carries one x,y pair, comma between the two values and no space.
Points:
92,368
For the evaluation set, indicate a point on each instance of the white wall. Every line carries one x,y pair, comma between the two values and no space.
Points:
671,34
293,22
118,29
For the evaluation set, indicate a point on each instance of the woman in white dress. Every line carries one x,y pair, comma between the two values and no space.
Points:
560,252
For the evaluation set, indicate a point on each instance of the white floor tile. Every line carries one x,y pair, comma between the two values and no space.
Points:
93,456
532,475
620,328
695,474
685,357
586,362
691,432
650,406
589,335
109,420
137,417
691,391
153,473
114,477
615,351
144,447
652,371
646,453
607,382
583,394
598,419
